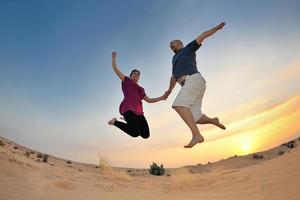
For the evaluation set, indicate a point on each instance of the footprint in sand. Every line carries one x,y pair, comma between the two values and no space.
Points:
230,171
64,185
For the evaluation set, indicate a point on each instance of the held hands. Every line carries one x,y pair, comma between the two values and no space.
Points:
164,96
221,25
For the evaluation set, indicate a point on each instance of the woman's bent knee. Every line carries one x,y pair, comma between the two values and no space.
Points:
145,136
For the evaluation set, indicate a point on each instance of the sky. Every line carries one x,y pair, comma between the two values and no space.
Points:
58,89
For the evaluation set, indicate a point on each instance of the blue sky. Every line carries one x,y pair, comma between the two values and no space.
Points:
57,87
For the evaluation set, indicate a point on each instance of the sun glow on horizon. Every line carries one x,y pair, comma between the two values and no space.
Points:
261,131
246,147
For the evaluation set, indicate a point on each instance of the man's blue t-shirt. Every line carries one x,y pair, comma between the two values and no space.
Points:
184,61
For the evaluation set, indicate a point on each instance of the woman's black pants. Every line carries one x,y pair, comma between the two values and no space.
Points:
136,125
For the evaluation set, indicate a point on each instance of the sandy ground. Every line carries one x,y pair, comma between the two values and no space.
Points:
28,177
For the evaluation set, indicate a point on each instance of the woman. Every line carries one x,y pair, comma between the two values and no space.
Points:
131,107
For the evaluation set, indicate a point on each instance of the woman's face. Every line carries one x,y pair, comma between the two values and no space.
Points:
135,76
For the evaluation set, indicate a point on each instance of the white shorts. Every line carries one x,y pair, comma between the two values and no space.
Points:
191,94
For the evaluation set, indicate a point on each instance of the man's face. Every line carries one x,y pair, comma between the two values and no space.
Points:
175,45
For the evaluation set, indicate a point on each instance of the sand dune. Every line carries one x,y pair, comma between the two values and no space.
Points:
25,176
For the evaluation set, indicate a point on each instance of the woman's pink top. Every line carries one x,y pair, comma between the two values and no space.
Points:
133,96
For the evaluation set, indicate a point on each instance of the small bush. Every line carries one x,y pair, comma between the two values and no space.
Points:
45,158
256,156
2,143
15,147
27,153
157,170
281,152
39,155
291,144
69,162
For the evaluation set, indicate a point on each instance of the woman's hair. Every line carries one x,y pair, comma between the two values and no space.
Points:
134,70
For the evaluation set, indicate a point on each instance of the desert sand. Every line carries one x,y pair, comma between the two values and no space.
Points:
270,175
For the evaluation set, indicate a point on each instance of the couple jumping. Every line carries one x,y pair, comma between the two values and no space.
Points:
188,101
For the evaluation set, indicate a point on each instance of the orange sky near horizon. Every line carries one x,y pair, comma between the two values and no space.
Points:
258,132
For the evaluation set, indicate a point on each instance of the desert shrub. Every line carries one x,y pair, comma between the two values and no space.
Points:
69,162
2,143
39,155
15,147
256,156
45,158
281,152
27,153
291,144
156,170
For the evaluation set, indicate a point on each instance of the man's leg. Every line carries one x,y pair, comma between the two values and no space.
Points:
187,116
207,120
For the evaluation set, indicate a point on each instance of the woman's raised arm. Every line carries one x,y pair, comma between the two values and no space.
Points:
115,67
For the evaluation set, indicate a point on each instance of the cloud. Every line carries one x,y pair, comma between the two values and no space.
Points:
284,81
267,117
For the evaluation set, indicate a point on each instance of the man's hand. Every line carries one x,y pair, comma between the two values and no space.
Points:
208,33
221,25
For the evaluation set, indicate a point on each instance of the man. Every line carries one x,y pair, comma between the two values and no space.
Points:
189,99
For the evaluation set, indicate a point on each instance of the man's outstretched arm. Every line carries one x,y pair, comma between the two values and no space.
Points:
208,33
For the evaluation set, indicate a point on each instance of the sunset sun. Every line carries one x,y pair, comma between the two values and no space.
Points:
246,147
